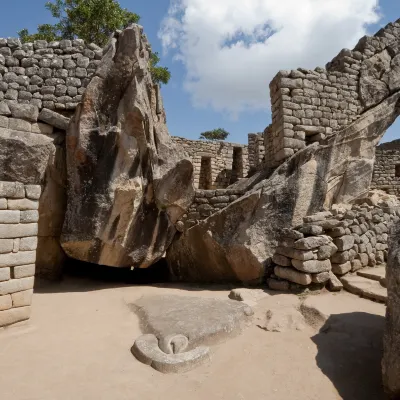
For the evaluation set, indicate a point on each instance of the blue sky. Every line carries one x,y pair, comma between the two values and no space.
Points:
186,116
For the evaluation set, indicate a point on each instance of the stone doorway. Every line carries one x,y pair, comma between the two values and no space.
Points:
205,173
237,164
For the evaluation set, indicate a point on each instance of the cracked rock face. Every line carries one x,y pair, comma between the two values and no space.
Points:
128,183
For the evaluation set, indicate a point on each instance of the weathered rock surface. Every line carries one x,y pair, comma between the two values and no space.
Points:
237,243
203,321
128,183
24,156
391,342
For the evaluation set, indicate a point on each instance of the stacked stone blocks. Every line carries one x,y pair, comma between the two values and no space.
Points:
18,241
387,168
50,75
331,244
221,157
208,202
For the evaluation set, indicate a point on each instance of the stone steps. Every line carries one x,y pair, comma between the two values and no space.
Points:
376,274
365,287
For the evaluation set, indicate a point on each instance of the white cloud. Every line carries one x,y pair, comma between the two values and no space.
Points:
233,48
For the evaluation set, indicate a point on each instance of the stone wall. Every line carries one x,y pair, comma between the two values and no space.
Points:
48,75
256,151
208,202
18,241
387,168
331,244
307,104
216,164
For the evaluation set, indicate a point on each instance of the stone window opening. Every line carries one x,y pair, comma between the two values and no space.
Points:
397,170
237,164
205,173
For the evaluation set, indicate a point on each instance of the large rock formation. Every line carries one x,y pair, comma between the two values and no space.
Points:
391,342
128,183
237,243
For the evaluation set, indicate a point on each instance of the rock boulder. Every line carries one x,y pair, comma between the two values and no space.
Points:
128,183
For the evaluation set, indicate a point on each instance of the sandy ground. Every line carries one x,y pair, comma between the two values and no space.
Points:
77,346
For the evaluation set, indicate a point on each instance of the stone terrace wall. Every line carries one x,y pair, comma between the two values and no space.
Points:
331,244
18,241
48,75
387,168
208,202
308,105
223,169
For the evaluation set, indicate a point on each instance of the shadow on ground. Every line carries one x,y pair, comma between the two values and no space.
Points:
79,276
350,353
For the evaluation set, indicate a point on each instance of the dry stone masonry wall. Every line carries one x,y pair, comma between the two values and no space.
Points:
216,164
387,168
208,202
308,105
331,244
18,241
50,75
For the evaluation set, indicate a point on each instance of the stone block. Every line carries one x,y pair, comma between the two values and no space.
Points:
54,119
281,260
5,302
344,243
44,129
341,269
12,190
292,275
3,122
356,265
33,191
9,216
26,112
28,243
15,244
16,285
334,283
13,315
326,251
3,204
23,271
321,277
340,257
6,245
23,204
311,242
19,125
29,216
296,254
5,274
313,230
22,299
20,258
312,266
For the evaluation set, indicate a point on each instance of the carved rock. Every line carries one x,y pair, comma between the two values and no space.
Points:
128,183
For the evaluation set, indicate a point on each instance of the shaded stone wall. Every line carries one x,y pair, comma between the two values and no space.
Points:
18,241
216,164
50,75
338,242
307,104
208,202
387,168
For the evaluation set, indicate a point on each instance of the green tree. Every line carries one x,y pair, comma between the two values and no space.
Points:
93,21
215,134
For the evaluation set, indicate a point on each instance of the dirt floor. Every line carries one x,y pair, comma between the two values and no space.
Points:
77,346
